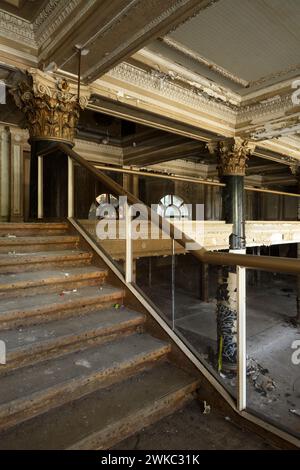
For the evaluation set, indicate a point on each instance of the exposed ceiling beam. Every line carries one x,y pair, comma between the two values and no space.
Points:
115,29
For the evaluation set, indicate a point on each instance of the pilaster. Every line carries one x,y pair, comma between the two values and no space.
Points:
4,173
18,145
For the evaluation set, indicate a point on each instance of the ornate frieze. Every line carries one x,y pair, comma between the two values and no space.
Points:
16,28
50,105
164,84
233,155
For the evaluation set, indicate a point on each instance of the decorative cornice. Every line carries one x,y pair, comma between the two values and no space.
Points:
165,86
17,29
277,128
50,105
45,13
232,156
51,20
272,105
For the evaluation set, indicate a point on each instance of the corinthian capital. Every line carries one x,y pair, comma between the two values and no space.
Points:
232,155
50,105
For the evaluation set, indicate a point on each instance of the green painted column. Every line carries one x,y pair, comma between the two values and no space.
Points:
232,157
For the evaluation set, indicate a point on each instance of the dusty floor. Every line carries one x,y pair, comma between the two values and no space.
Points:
189,429
270,336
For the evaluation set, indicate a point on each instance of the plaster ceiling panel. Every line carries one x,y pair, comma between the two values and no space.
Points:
251,39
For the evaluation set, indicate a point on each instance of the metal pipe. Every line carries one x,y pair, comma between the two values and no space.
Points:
271,191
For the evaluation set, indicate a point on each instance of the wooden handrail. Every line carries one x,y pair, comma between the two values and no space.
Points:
265,263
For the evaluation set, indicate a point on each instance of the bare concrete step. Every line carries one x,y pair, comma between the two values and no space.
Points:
19,262
35,343
10,243
46,307
34,228
105,417
34,389
29,283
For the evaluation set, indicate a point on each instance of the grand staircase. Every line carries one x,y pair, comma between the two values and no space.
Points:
82,372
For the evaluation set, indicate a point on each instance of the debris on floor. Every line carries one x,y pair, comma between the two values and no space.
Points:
295,412
262,382
68,292
206,408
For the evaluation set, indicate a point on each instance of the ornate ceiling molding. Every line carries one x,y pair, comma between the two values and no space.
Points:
272,105
164,85
17,29
49,19
50,25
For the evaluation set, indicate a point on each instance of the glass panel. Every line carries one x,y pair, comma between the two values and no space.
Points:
205,315
273,348
153,261
100,213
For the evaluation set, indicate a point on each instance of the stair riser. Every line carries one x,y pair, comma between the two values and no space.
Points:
32,232
28,248
21,410
67,285
45,264
130,425
53,312
68,344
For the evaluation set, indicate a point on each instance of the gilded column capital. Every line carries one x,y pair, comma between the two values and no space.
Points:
233,154
50,105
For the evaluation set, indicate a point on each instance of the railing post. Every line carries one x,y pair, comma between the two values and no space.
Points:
241,338
128,239
40,211
70,188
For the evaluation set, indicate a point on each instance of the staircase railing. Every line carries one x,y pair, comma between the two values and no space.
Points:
268,263
239,261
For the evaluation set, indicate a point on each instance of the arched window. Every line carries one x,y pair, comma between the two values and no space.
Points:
173,207
107,206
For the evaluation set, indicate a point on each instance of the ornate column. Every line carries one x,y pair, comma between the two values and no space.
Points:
4,174
232,156
232,161
51,110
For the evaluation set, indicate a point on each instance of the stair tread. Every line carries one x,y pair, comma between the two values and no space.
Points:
14,280
18,339
22,384
69,424
41,301
36,302
38,255
17,240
